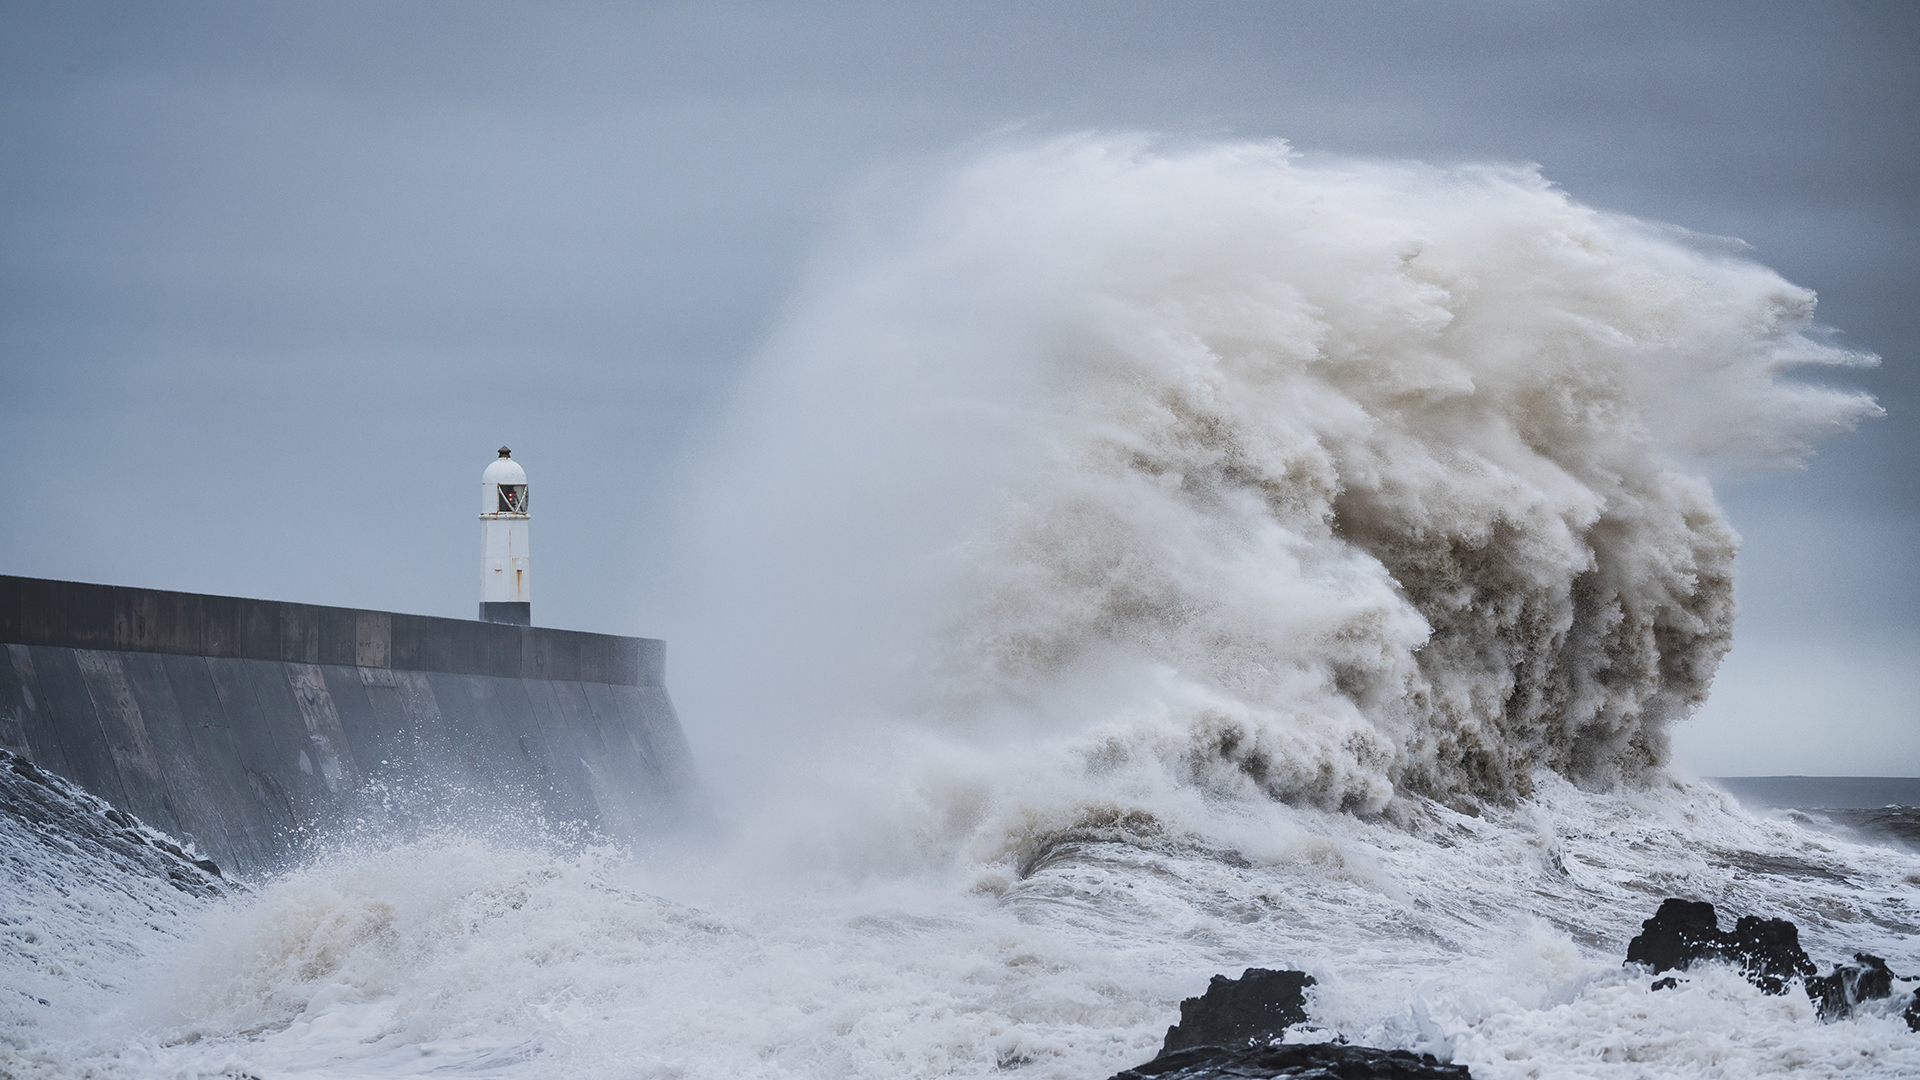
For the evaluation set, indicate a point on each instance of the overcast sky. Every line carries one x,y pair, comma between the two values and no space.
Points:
276,279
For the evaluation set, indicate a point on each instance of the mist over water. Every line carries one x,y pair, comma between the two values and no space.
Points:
1131,562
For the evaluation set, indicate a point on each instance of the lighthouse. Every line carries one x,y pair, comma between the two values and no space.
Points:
506,576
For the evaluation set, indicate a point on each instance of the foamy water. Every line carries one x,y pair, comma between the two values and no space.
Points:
1134,564
1493,940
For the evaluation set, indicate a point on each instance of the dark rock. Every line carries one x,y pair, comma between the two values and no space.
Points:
1685,932
1228,1034
1309,1061
1681,932
61,814
1258,1007
1912,1015
1769,953
1667,983
1835,995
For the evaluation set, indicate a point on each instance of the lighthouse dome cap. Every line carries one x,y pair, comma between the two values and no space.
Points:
504,470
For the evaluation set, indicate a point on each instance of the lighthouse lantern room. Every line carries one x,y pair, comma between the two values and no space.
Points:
506,576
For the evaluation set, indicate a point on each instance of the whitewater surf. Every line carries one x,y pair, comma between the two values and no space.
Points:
1137,562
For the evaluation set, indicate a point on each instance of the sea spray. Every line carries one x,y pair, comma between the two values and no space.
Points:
1317,481
1494,940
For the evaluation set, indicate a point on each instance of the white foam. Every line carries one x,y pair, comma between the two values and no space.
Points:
1329,479
1495,940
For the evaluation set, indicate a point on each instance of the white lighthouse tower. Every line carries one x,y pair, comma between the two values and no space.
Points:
506,576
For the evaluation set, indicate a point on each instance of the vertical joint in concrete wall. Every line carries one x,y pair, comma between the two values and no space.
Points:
372,639
90,615
136,619
300,633
339,635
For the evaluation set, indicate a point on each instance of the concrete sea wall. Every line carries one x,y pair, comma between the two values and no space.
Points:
245,725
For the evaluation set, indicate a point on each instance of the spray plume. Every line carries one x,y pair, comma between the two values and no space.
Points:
1311,481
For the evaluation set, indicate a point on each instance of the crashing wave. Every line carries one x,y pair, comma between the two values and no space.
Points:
1321,480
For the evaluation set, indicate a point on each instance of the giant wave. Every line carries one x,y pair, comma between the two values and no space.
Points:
1326,480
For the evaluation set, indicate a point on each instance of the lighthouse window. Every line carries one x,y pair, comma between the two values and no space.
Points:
513,499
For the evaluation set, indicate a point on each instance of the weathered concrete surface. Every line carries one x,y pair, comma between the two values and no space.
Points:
246,724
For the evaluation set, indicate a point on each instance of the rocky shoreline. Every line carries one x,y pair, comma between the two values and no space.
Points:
1767,952
61,813
1234,1030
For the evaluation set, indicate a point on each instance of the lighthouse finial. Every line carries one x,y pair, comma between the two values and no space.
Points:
504,452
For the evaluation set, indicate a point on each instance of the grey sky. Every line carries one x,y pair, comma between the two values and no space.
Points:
275,279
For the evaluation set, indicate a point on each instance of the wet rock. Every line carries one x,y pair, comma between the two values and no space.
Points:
1866,979
1256,1008
1685,932
60,813
1680,933
1767,951
1228,1033
1310,1061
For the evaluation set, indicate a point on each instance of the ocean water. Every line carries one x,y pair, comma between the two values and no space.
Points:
1132,562
1831,792
1885,809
